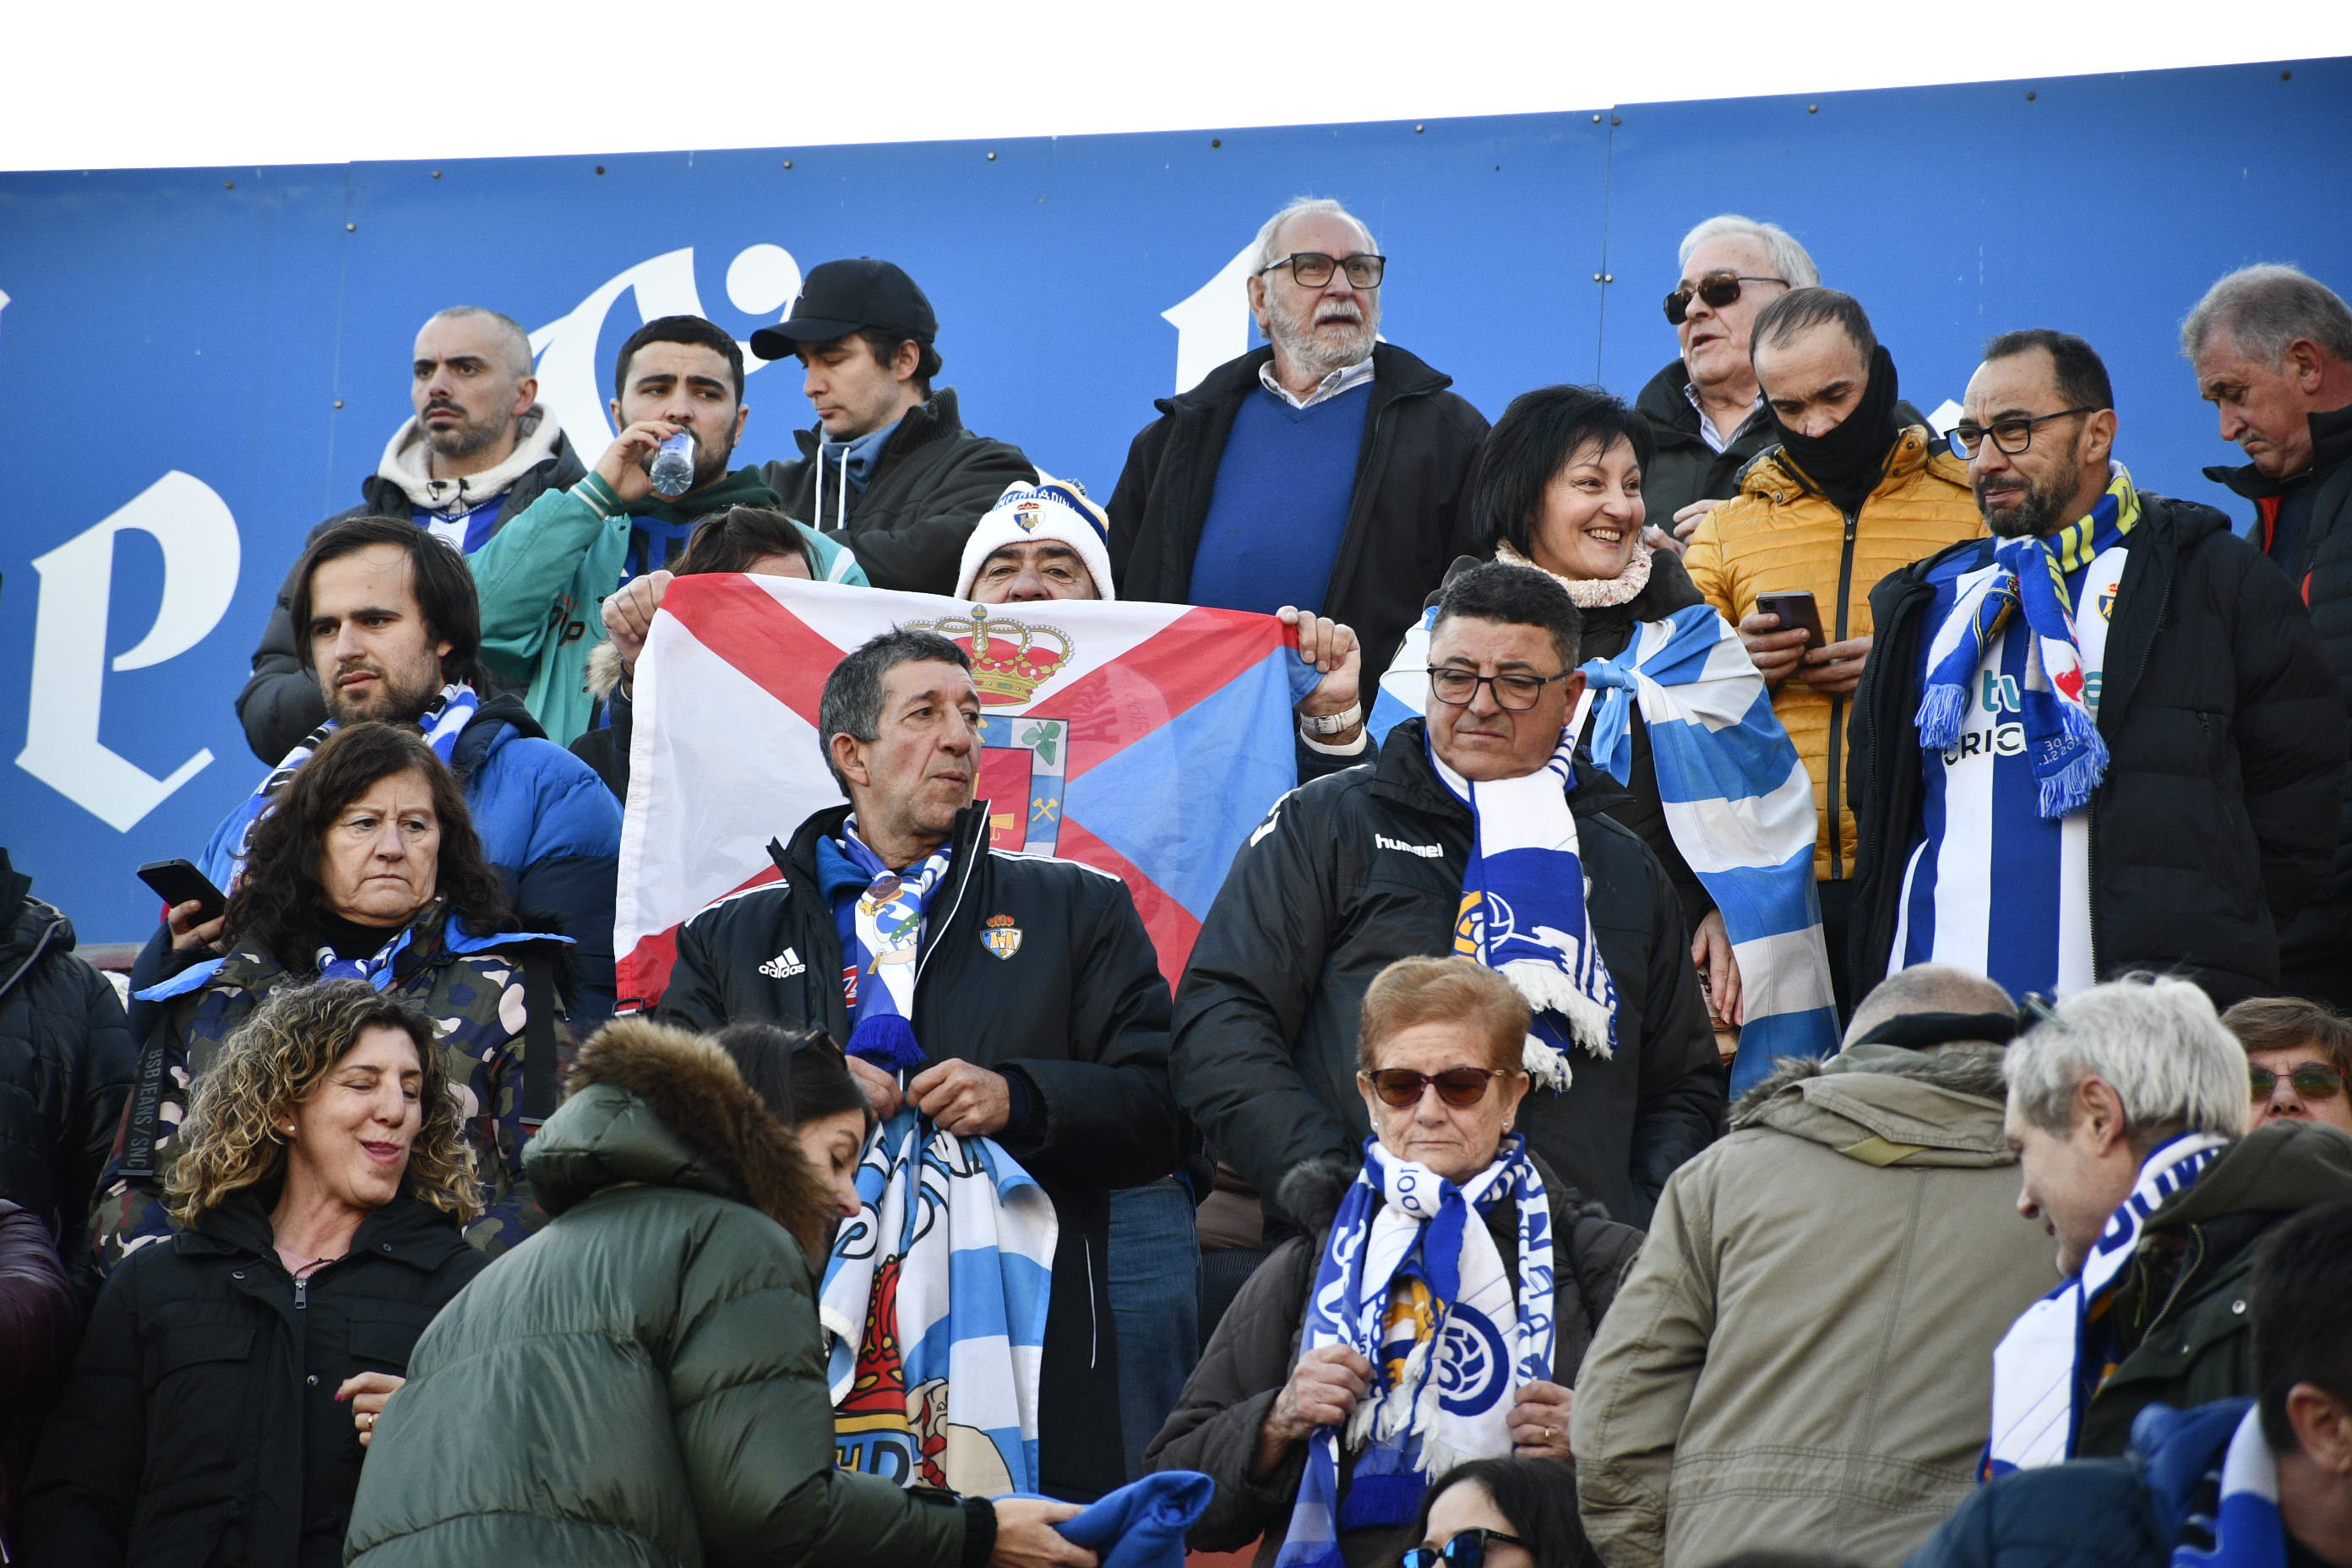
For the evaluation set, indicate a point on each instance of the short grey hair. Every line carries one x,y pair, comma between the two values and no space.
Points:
1265,254
1794,262
2155,1041
2264,309
852,704
517,340
1925,988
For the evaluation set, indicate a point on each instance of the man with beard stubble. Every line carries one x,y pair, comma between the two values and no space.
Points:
2129,751
1325,470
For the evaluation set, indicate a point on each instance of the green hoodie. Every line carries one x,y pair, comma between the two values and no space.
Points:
544,576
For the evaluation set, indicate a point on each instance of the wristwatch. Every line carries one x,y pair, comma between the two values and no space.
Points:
1346,718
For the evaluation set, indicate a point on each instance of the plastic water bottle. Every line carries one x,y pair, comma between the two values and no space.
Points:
673,464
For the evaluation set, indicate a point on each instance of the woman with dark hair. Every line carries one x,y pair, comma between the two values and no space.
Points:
233,1372
367,867
755,539
1559,490
1499,1513
805,1082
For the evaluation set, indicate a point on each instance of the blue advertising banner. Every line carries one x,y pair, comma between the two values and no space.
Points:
201,365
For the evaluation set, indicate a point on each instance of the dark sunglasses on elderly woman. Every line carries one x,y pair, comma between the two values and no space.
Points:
1457,1087
1718,289
1462,1549
2312,1080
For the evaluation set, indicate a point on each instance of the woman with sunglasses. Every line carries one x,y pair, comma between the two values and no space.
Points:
1498,1513
2298,1058
1448,1261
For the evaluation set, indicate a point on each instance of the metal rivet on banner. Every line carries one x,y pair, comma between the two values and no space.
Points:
437,173
992,157
1216,141
2032,96
1419,128
339,403
228,185
350,229
2286,76
1812,108
788,163
1609,277
599,168
1616,120
1596,120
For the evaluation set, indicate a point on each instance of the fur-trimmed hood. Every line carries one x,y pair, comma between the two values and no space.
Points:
603,670
1884,1105
656,1105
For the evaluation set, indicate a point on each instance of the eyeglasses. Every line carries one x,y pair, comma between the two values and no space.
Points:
2009,436
1458,1087
1312,268
1718,289
2312,1080
1464,1549
1458,688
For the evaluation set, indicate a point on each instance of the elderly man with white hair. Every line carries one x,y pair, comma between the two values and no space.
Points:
1325,470
2272,352
2127,1109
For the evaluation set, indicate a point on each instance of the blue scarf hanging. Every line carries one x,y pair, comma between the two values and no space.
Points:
879,914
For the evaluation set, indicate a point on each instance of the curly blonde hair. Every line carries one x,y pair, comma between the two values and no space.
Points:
274,1062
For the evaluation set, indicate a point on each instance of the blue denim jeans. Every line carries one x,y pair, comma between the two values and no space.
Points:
1155,1301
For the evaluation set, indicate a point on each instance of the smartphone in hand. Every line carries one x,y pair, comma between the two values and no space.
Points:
1798,612
178,882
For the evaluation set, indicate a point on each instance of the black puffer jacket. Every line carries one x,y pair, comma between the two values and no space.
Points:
201,1427
1214,1426
2321,572
935,479
1352,872
2219,815
1075,1013
65,1064
281,702
1407,520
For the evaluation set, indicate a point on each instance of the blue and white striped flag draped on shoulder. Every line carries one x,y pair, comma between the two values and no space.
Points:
2247,1530
1411,1280
934,1308
1736,799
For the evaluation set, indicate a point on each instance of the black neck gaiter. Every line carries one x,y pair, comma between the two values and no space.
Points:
1847,464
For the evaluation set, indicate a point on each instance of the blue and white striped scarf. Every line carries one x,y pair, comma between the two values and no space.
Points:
2061,738
442,724
1412,1281
2247,1530
2061,1349
881,930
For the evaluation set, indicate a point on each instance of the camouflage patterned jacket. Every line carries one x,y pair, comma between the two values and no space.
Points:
473,986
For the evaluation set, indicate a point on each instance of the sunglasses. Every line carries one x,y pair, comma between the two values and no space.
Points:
1718,289
2312,1080
1464,1549
1458,1087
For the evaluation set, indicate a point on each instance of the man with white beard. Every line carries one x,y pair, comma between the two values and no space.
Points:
1326,471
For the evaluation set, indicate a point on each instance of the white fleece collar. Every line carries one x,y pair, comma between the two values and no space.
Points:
536,434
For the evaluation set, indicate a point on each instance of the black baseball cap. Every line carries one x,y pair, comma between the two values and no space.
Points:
838,298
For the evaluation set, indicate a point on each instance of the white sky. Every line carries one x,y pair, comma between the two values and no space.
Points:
146,84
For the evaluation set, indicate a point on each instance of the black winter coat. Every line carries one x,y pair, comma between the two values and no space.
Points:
40,1318
1214,1426
2218,816
281,702
1354,871
200,1426
1076,1014
935,479
65,1064
1409,516
1684,468
2321,573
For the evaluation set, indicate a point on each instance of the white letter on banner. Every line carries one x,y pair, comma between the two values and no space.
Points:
1212,325
201,553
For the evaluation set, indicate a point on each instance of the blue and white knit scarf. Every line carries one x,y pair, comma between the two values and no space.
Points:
881,930
2247,1530
2061,737
2061,1349
442,724
1522,908
1411,1280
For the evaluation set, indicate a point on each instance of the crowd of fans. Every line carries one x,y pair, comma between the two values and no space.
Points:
1620,1107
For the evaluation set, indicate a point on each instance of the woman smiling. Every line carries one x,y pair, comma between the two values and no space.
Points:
232,1373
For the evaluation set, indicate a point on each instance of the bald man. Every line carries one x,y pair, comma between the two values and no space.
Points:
478,450
1805,1343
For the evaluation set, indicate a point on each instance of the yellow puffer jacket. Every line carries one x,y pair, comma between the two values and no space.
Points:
1780,535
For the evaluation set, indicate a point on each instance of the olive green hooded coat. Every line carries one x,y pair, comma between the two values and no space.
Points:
643,1382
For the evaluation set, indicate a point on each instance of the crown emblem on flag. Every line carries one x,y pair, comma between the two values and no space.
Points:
1010,660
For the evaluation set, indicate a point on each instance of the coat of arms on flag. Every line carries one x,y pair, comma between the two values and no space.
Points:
1142,740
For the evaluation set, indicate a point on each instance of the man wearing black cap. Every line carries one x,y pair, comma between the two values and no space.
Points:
889,471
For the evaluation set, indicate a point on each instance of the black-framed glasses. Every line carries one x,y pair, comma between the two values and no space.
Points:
2312,1080
1718,289
1462,1549
1312,268
1458,1087
1514,690
2009,437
